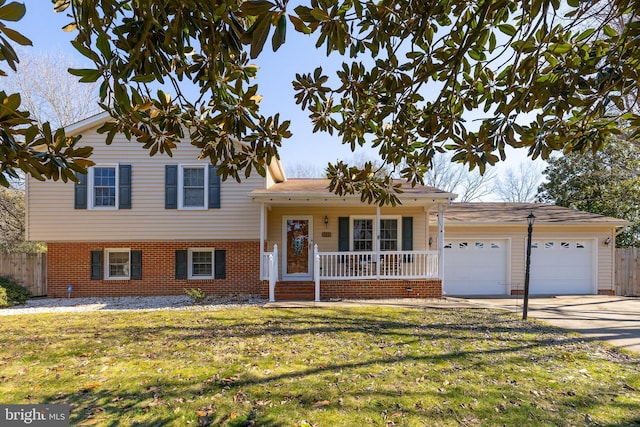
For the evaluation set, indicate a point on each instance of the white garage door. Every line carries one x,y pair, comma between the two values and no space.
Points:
475,267
562,267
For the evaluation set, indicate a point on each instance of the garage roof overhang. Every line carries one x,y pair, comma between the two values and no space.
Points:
515,214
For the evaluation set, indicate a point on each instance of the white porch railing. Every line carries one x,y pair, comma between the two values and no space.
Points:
408,265
387,265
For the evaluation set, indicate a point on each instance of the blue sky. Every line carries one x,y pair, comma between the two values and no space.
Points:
277,70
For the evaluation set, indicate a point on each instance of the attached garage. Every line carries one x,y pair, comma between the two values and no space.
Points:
573,252
562,266
476,267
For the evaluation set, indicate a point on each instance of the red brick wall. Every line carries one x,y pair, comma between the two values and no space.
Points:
374,289
69,263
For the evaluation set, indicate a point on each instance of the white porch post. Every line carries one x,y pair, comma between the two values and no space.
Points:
316,271
273,273
377,242
262,237
441,242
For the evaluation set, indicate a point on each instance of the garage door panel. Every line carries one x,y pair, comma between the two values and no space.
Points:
475,267
561,266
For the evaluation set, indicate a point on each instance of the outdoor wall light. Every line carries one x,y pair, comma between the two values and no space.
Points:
607,241
326,221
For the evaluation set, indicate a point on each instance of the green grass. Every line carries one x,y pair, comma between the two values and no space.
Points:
319,367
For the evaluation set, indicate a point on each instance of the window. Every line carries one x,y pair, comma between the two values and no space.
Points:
103,187
365,231
388,235
363,235
201,263
118,264
192,187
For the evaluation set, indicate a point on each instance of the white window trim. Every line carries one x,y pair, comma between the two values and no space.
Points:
91,189
181,187
107,276
190,263
376,233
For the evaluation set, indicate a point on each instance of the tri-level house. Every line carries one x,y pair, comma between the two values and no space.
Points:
141,225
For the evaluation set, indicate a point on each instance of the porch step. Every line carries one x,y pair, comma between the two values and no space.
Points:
295,291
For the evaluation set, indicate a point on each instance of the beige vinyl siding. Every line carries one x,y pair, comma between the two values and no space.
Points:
51,215
518,237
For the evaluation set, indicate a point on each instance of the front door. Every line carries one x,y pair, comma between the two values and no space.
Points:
297,240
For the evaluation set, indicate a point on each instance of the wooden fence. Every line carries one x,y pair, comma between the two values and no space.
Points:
628,272
29,270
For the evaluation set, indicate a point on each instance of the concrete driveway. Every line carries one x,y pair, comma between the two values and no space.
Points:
612,319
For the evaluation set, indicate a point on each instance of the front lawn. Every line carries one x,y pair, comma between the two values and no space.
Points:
315,367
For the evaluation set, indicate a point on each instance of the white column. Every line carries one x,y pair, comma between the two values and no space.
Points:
262,237
316,271
441,243
377,243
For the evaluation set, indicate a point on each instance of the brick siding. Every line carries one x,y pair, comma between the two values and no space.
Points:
69,263
364,289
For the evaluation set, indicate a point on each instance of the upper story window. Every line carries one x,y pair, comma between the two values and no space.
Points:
104,187
194,187
191,187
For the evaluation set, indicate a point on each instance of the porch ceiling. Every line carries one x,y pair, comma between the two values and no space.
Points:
316,192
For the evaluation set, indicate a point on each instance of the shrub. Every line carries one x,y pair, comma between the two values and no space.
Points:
4,300
197,295
15,293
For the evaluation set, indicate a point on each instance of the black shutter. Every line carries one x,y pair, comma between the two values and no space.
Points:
80,191
96,265
124,185
171,187
181,264
407,233
220,266
214,188
343,233
136,265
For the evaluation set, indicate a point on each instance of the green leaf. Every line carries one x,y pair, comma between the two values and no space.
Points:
320,14
143,78
260,32
584,35
104,46
256,7
16,36
610,31
299,25
507,29
88,75
280,34
13,11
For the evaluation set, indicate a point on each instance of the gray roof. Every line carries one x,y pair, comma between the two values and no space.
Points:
516,213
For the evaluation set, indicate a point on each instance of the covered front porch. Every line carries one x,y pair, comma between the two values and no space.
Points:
323,246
